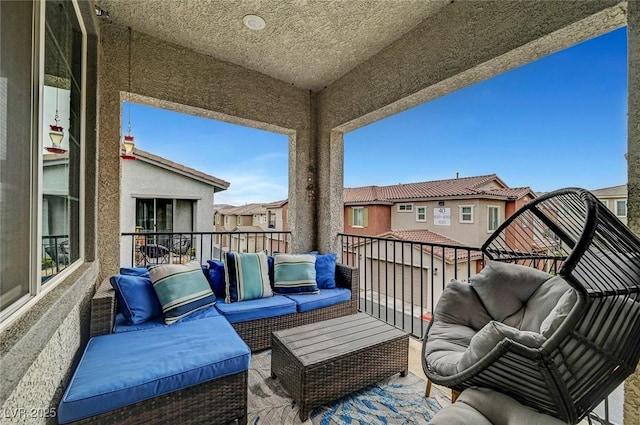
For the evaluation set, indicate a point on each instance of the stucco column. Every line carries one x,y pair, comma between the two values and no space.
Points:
331,210
632,385
108,156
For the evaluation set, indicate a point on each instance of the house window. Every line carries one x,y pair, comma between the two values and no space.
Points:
405,207
239,220
272,220
466,214
421,214
605,202
226,220
217,219
41,238
493,218
621,208
359,217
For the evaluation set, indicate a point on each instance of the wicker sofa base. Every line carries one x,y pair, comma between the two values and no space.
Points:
333,362
257,333
219,401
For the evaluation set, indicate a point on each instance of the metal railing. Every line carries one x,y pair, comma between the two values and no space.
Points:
144,248
55,255
401,281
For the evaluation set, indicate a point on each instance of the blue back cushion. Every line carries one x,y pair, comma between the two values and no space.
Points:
215,276
182,289
247,276
137,301
134,271
295,274
326,271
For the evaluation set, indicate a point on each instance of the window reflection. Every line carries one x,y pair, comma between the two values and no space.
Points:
60,136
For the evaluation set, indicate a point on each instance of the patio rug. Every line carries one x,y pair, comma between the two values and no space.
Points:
397,400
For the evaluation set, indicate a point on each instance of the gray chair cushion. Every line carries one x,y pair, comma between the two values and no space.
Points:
481,406
460,304
559,312
489,336
542,302
504,288
447,344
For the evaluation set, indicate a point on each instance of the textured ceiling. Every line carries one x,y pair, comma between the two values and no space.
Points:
309,43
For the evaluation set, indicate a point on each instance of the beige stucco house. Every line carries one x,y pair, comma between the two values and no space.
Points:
315,72
615,198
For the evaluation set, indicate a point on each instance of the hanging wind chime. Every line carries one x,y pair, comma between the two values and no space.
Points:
128,140
56,132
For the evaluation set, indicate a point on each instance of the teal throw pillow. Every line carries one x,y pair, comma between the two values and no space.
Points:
295,274
181,288
246,276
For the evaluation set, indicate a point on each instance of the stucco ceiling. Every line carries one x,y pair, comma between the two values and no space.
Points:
308,43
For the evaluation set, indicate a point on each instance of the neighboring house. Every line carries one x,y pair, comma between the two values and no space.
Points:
465,209
412,271
615,198
159,195
249,221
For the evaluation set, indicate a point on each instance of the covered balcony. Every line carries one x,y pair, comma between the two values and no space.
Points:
316,71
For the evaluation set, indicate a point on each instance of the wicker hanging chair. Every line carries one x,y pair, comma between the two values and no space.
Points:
553,320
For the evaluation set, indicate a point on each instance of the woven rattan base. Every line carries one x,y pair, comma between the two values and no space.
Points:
322,362
214,402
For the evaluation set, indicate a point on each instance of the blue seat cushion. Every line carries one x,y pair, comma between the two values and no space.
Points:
121,324
259,308
325,298
120,369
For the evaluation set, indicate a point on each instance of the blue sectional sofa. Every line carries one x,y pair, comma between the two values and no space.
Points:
192,371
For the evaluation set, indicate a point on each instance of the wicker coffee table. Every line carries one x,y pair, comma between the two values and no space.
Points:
324,361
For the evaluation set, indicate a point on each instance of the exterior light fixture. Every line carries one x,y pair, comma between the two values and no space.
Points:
253,22
56,132
128,142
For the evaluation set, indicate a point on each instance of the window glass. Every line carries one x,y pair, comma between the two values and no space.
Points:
61,106
494,218
466,214
358,217
421,214
16,144
405,207
621,208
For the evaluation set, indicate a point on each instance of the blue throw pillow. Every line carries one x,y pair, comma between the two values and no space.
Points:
137,300
295,274
326,271
134,271
182,289
215,276
246,276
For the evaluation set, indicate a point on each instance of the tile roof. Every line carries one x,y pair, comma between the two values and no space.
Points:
429,237
214,181
276,204
613,191
462,186
248,209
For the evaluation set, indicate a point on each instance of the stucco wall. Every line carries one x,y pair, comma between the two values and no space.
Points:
632,385
173,77
379,221
471,234
39,351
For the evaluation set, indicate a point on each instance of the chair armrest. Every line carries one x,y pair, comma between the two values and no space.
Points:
349,277
103,309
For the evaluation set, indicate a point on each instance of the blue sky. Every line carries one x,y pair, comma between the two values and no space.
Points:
557,122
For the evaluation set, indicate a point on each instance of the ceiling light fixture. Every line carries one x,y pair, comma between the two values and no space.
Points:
253,22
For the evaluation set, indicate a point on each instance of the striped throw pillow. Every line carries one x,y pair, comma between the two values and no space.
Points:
246,276
181,288
295,274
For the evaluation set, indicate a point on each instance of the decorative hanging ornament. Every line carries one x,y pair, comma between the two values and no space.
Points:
128,142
